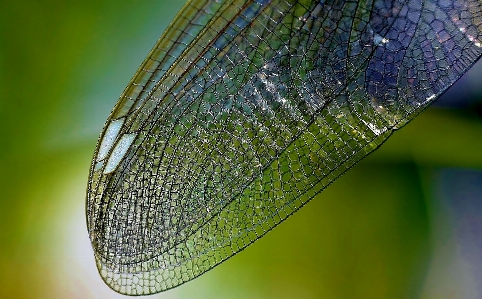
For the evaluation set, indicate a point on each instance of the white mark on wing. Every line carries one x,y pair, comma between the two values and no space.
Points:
109,138
119,152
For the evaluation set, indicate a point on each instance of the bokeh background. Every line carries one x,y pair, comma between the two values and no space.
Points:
406,222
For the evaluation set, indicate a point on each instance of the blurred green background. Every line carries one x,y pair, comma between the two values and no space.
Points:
403,223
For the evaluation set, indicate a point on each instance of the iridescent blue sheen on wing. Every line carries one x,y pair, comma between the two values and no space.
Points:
245,110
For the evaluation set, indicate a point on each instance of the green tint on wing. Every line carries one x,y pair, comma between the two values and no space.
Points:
245,110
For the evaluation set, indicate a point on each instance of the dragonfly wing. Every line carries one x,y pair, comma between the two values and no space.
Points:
245,110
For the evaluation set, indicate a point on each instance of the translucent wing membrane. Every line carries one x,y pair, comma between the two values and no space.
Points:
245,110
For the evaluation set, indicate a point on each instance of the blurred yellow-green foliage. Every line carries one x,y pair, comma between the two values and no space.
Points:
387,229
